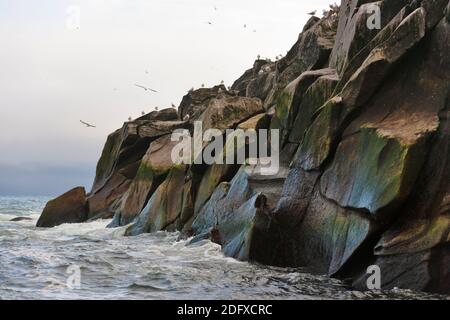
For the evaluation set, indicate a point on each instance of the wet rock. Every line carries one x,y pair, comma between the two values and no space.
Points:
164,207
70,207
313,99
239,224
290,100
153,169
372,171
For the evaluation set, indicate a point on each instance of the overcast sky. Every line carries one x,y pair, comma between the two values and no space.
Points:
54,74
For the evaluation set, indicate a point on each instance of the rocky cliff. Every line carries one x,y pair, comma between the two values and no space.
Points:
364,117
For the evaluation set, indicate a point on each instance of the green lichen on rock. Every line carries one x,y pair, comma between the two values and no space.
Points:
372,172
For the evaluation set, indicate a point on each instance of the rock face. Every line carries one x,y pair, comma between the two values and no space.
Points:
364,121
71,207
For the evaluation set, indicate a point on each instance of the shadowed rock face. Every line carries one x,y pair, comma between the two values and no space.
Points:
71,207
364,117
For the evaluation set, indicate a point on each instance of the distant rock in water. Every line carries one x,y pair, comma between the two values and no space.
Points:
364,117
19,219
71,207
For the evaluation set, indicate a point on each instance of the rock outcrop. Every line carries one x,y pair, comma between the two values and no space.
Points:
71,207
364,121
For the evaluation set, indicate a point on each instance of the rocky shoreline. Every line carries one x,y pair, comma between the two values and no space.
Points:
364,179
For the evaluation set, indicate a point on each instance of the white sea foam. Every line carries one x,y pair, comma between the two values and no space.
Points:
34,265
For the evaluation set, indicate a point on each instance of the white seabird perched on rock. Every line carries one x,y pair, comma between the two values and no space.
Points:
186,118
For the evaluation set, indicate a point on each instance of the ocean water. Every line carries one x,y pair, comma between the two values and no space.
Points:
41,264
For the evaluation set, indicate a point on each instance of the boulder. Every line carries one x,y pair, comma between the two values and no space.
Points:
71,207
196,101
228,111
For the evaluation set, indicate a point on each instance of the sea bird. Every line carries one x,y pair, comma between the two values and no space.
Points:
312,13
87,124
145,88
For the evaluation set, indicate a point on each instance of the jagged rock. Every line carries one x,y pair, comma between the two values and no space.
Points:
260,86
260,121
164,207
257,81
380,61
320,137
238,211
121,158
227,112
421,271
313,99
329,236
364,172
353,34
153,168
373,171
213,176
290,99
70,207
325,129
310,52
195,102
169,114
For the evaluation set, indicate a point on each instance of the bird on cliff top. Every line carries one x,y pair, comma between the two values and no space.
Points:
186,118
129,118
143,113
156,108
87,124
312,13
174,106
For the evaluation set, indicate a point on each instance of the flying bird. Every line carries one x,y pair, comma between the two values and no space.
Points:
145,88
209,22
87,124
312,13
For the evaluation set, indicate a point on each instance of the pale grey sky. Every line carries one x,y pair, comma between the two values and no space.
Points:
52,76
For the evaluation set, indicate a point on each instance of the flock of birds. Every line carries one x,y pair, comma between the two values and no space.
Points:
186,118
